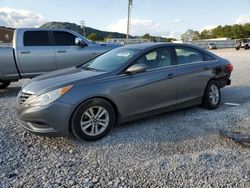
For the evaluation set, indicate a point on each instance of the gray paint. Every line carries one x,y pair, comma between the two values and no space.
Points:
134,95
32,61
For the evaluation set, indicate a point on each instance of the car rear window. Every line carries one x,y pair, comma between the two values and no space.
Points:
36,38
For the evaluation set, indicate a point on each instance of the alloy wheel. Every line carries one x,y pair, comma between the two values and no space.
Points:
214,94
94,120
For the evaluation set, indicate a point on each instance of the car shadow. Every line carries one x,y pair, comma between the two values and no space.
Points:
9,92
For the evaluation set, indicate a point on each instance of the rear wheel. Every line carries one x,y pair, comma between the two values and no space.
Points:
93,119
4,84
212,96
246,47
237,48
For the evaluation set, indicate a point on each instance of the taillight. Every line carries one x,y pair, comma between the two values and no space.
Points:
229,67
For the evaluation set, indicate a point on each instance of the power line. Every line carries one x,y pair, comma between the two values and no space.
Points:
82,23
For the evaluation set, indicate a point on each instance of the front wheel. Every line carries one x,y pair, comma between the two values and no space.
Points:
246,47
93,119
4,84
212,96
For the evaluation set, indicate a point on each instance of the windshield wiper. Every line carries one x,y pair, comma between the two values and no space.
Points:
90,68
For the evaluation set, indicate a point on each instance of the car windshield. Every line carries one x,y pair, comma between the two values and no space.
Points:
111,60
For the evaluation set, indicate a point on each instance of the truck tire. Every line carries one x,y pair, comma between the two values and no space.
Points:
237,48
4,84
246,47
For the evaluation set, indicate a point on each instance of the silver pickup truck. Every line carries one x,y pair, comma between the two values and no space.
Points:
37,51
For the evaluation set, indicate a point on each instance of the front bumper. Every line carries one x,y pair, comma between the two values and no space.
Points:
50,120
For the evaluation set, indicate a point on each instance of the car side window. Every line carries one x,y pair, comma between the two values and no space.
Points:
157,58
36,38
64,38
208,57
187,55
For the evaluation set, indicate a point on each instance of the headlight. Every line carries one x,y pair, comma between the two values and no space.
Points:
47,98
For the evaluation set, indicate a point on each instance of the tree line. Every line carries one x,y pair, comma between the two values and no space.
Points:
230,31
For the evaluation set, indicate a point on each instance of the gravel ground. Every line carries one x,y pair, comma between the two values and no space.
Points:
177,149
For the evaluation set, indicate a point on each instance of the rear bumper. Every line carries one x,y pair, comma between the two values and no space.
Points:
224,82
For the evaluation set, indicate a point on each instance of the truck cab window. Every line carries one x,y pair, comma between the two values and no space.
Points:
36,38
64,38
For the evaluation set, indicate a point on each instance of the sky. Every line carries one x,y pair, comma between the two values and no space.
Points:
168,18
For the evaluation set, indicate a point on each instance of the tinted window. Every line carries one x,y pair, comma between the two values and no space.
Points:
187,55
208,57
64,38
160,57
36,38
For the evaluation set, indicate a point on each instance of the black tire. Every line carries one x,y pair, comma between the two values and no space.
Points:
246,47
79,115
4,84
208,102
237,48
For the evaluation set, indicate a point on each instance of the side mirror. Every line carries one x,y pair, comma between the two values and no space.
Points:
79,42
136,68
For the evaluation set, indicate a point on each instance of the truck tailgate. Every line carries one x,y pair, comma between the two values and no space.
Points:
8,69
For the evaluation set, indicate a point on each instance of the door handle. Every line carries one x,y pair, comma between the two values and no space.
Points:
171,75
26,52
61,51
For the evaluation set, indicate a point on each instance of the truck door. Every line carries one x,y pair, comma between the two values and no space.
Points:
68,54
36,55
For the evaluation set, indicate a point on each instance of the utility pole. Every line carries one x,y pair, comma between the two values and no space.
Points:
82,23
130,4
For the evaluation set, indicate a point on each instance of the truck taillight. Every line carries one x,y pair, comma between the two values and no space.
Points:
229,67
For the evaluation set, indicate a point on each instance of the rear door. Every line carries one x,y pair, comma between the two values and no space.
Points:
67,53
193,73
36,55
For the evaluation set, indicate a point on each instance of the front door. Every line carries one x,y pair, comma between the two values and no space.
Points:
151,90
67,53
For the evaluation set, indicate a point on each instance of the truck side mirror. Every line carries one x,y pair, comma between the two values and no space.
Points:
79,42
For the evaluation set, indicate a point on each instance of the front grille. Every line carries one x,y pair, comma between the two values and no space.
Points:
23,97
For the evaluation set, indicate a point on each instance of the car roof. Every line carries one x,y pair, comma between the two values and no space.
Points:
149,45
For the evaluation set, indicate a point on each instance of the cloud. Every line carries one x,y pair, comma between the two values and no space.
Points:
243,19
138,26
208,27
171,34
20,18
174,21
142,26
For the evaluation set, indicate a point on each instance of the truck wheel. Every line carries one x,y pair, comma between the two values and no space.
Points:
246,47
4,84
237,48
212,96
93,119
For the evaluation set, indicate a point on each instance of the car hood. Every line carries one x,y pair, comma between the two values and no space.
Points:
60,78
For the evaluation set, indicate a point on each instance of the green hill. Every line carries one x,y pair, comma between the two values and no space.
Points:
98,34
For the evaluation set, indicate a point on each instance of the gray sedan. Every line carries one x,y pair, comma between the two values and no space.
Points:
122,85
